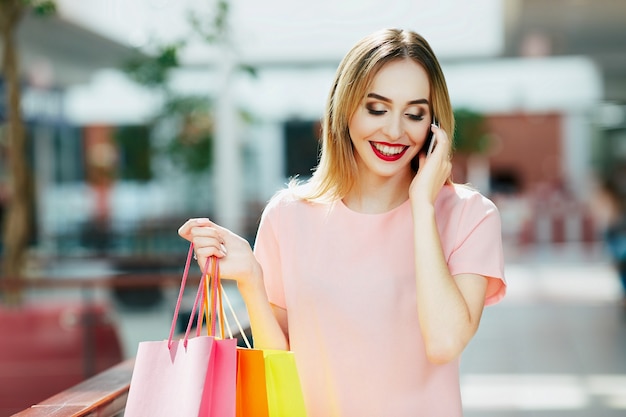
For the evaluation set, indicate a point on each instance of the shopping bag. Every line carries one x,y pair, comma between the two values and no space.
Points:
284,393
268,384
185,378
251,385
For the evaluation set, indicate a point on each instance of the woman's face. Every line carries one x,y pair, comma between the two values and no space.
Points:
392,121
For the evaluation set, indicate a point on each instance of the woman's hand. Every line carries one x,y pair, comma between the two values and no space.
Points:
434,170
237,261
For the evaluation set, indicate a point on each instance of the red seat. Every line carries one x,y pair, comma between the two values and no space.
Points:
47,348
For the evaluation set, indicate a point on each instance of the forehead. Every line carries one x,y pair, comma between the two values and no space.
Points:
400,80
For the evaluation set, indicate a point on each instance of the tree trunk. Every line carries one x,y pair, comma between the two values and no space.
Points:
16,224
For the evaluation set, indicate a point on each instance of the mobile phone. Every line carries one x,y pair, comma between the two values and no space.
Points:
430,142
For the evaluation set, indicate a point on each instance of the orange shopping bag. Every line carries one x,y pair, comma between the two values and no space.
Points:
251,390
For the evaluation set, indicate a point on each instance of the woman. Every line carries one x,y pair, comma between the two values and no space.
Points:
376,270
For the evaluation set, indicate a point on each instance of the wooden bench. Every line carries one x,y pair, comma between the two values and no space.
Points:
103,395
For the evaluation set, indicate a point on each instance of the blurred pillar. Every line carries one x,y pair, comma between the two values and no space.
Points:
478,173
577,163
270,150
229,202
43,109
44,169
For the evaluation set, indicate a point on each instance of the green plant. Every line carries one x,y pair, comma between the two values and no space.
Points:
471,134
190,146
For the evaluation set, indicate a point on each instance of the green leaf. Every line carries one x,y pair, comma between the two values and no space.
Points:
191,147
471,134
153,71
44,8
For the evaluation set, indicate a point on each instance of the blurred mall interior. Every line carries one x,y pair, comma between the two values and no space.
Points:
545,82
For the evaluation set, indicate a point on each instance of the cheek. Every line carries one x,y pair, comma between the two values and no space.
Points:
418,136
361,127
355,132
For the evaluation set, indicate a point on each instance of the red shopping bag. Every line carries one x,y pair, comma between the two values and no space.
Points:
190,377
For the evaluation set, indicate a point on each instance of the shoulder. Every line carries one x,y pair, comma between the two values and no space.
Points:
465,206
286,212
286,200
463,197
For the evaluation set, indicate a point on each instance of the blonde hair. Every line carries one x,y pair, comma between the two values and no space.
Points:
336,171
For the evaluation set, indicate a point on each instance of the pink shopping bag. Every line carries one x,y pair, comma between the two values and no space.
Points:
186,378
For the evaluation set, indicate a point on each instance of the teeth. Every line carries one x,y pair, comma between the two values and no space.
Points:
388,150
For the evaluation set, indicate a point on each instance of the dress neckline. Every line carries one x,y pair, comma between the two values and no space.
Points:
344,207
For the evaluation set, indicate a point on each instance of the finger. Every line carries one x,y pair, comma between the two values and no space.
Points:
421,159
443,150
442,136
206,231
207,251
203,232
184,231
192,226
186,227
206,241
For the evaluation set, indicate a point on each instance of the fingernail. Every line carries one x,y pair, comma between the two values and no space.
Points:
434,125
203,220
223,248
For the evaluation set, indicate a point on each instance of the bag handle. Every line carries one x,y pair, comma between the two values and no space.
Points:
213,302
199,295
201,299
239,327
223,317
223,296
183,282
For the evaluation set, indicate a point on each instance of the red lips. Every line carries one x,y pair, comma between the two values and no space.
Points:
389,157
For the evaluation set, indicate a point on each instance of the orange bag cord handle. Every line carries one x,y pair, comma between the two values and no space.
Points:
212,305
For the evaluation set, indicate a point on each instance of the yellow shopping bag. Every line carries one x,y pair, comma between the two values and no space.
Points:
284,393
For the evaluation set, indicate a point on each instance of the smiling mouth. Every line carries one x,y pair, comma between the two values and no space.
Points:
388,152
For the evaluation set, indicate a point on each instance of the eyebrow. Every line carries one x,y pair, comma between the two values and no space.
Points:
387,100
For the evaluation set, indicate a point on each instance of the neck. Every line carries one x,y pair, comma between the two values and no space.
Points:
373,195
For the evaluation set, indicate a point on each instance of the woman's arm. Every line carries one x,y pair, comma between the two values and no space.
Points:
237,262
267,321
449,307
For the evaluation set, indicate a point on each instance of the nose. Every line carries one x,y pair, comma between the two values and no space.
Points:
393,128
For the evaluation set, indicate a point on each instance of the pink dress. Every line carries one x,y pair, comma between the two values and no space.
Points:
347,281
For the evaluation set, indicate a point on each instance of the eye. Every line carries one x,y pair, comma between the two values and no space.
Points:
371,109
416,117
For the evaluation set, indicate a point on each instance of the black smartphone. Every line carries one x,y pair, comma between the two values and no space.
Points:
429,144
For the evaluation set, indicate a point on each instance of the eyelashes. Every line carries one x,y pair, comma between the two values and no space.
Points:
411,116
416,117
376,112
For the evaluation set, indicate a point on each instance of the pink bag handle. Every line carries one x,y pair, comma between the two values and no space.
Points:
199,295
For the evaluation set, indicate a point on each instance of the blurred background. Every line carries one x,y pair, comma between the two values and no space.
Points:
119,120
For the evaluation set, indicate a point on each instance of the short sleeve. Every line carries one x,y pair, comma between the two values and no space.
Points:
267,252
478,246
